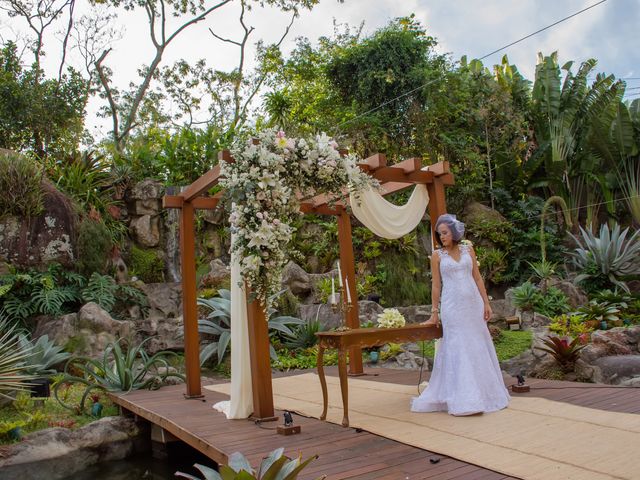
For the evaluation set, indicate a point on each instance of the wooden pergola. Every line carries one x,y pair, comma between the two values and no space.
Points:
393,179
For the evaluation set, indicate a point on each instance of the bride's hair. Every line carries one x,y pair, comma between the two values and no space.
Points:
455,225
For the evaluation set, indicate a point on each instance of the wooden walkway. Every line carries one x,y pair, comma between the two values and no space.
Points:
343,452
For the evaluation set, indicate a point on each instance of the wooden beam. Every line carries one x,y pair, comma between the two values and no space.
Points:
374,162
409,165
199,203
189,302
260,362
347,266
440,168
321,209
398,174
202,184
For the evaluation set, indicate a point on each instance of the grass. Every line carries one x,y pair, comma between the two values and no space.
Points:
510,344
33,414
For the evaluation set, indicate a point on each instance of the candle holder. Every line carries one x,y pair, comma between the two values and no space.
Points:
341,306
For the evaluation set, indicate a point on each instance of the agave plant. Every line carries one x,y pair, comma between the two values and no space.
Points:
44,354
614,255
119,370
218,323
543,271
564,352
276,466
526,296
13,374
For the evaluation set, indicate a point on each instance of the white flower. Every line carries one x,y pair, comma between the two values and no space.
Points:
391,318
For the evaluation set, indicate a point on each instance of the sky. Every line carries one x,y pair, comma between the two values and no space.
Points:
608,32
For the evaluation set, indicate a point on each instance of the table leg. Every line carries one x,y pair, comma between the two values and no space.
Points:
344,386
323,381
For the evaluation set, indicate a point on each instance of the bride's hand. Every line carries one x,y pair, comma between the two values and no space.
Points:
434,320
487,312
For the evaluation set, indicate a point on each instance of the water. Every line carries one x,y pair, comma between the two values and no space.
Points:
179,457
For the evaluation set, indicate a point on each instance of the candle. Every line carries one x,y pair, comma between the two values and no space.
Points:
346,287
339,275
333,292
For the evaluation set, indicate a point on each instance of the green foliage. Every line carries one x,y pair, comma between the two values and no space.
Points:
323,288
570,325
44,116
303,336
44,354
21,186
510,343
275,466
122,368
492,263
57,291
529,297
147,265
403,279
601,312
301,359
218,324
48,412
611,257
13,374
94,245
563,351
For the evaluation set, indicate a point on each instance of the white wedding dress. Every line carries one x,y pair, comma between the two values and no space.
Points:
466,376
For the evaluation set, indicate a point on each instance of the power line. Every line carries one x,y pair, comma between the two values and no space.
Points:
481,58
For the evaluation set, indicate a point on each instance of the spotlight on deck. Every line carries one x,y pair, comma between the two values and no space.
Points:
288,428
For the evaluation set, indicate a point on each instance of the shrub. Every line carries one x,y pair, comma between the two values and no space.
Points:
94,245
147,265
12,359
21,186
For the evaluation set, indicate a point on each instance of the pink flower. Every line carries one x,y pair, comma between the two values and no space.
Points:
280,134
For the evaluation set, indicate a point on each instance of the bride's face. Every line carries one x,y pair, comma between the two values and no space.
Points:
445,235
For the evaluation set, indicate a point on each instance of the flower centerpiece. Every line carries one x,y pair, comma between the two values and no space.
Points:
269,178
391,318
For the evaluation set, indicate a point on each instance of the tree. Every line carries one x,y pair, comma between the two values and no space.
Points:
124,108
44,116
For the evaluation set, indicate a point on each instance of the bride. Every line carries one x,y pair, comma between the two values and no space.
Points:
466,377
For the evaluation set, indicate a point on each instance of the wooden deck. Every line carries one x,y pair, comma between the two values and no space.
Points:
343,452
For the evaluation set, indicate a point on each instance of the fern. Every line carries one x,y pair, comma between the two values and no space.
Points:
101,289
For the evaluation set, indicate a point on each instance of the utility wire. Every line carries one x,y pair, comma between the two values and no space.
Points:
481,58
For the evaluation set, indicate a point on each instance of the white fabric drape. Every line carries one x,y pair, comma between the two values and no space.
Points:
384,218
241,405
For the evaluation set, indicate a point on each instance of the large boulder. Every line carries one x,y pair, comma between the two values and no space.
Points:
61,452
87,332
296,279
145,196
163,322
49,237
146,230
576,297
616,369
218,274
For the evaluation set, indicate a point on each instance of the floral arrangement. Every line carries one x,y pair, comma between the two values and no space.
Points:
391,318
266,183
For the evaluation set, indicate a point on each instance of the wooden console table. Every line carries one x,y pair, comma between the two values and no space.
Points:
363,337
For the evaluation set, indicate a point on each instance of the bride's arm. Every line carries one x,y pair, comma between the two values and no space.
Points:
436,287
480,283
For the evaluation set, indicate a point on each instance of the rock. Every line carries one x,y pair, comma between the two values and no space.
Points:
575,295
368,311
147,189
149,206
61,452
618,368
475,211
631,382
164,318
87,332
146,230
122,272
502,308
406,360
214,241
416,313
296,279
46,238
323,312
218,274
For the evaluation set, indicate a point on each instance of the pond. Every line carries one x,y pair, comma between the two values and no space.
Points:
178,457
